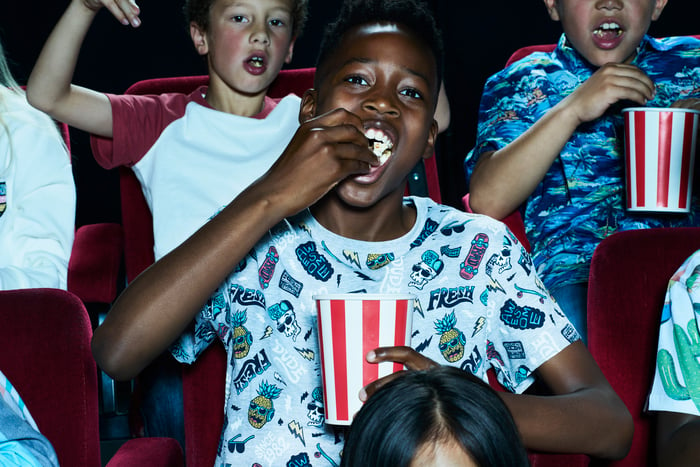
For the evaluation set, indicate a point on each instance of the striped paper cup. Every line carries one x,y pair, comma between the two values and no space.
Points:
350,325
659,158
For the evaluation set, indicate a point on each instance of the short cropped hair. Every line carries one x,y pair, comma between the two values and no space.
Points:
412,14
197,11
431,406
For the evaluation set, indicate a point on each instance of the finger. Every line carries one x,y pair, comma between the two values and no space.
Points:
367,391
338,117
125,11
401,354
692,103
343,141
633,91
632,77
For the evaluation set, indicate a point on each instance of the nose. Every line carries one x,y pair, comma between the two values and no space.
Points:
609,4
260,35
381,103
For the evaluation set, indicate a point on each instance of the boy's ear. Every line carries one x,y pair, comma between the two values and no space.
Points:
199,38
551,6
290,51
430,144
659,6
307,111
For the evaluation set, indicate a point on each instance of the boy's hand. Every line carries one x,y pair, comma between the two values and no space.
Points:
324,151
126,11
612,83
406,355
693,104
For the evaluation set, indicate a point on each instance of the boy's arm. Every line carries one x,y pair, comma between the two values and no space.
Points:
504,179
155,309
584,415
678,439
49,87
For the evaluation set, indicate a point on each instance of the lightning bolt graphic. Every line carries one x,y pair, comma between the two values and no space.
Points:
418,308
304,396
494,286
297,430
279,378
306,353
268,333
424,344
479,325
353,257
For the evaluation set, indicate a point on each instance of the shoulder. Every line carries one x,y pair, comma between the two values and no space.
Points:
675,42
168,103
446,216
25,123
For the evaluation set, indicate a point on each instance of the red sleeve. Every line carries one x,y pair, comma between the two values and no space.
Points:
137,122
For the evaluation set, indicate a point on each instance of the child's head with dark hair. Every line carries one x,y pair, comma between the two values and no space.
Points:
414,15
197,11
380,63
605,31
425,414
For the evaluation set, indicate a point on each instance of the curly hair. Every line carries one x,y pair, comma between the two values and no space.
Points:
412,14
197,11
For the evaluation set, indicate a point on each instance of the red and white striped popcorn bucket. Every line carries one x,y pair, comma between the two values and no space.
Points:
660,158
350,325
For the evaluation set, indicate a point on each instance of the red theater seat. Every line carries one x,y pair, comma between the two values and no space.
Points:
45,353
629,274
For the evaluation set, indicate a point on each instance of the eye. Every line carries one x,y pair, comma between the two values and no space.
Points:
239,19
278,23
412,93
358,80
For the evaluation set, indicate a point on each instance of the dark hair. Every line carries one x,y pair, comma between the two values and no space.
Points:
197,11
440,404
412,14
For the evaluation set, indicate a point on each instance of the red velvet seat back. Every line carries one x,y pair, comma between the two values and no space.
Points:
629,274
45,353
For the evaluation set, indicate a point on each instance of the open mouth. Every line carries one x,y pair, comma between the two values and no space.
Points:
256,61
380,144
608,30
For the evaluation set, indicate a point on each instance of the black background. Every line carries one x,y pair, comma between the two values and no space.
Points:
479,37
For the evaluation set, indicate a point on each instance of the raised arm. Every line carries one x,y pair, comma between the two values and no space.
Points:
154,310
49,87
504,179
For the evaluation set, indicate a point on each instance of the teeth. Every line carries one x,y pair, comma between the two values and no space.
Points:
256,61
608,27
380,144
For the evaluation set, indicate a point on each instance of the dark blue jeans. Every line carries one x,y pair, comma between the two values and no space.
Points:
161,404
573,300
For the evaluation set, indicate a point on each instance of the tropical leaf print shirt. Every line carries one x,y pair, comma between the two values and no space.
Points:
581,199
